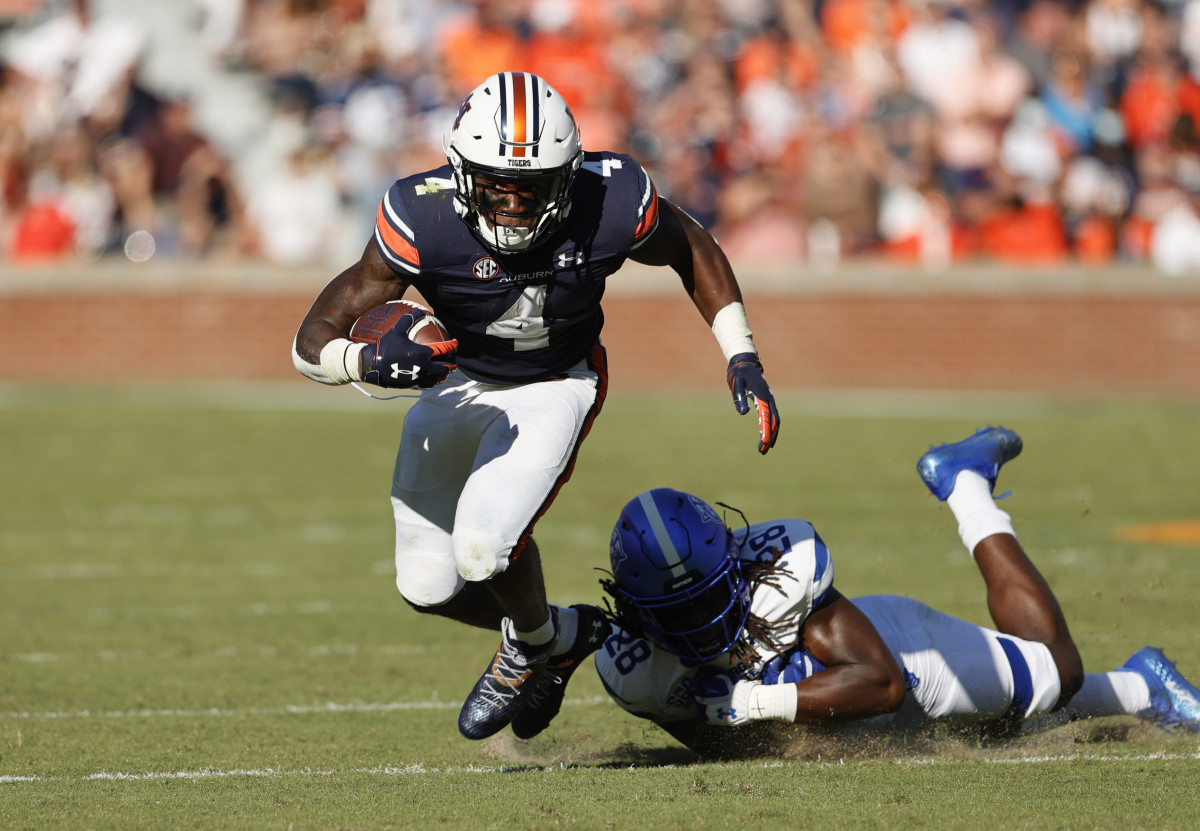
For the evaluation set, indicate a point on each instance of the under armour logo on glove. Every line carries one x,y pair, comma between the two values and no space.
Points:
722,701
600,630
430,363
412,373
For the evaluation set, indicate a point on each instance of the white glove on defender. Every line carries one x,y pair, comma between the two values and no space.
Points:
723,701
727,703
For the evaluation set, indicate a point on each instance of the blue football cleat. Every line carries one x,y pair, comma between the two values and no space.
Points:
504,690
547,698
1174,701
983,453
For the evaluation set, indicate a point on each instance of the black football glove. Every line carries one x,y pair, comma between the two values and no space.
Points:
397,362
746,382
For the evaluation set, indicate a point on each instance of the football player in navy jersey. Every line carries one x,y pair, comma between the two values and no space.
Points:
717,629
511,244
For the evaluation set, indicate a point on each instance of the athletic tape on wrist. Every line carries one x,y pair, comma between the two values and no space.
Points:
773,701
732,331
339,359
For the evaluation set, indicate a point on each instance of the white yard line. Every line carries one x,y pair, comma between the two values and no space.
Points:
110,571
107,776
1088,757
301,396
291,709
420,769
307,607
109,655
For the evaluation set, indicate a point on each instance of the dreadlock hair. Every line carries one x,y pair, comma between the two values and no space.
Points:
619,610
760,573
757,573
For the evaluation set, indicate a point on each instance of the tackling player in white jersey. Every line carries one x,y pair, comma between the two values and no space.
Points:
716,629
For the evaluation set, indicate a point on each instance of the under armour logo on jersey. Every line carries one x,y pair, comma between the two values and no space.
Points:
413,373
566,259
485,269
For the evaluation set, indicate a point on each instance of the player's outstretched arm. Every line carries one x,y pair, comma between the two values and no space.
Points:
680,242
861,679
368,283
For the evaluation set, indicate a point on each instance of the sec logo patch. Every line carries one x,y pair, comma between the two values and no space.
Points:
486,268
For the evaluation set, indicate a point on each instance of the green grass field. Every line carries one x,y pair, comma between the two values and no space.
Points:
200,628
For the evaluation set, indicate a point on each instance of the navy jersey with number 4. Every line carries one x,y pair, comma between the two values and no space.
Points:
524,316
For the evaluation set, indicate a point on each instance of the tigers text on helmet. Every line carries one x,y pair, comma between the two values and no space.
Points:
675,563
514,135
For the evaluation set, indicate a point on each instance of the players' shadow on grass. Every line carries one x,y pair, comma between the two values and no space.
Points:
780,742
581,751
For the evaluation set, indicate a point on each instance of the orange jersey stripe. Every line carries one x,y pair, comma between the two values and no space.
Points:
401,247
649,218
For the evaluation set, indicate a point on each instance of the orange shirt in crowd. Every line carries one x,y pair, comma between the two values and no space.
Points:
1032,233
1187,98
572,62
1149,106
846,24
42,233
472,52
763,56
1095,240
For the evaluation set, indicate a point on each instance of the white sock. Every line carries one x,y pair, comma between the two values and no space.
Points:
568,627
1110,694
976,511
540,636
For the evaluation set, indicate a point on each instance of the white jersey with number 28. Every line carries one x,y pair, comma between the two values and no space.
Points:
952,668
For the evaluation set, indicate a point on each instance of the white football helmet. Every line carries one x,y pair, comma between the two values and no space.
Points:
515,129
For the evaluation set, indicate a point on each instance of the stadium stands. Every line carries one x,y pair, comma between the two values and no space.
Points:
923,132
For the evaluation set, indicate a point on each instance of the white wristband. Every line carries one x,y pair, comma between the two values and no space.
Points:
732,331
773,701
980,525
339,359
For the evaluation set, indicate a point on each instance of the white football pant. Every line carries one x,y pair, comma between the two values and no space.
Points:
958,669
477,465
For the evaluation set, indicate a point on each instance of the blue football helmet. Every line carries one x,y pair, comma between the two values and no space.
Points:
675,563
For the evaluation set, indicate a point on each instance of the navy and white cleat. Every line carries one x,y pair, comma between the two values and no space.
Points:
546,699
1174,701
985,452
505,689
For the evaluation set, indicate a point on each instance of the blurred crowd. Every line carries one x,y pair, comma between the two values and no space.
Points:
798,131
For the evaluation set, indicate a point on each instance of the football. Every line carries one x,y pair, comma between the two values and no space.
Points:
375,323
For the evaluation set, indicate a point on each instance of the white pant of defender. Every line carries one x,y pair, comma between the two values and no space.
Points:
958,669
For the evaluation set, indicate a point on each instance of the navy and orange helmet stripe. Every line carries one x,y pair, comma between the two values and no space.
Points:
520,117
